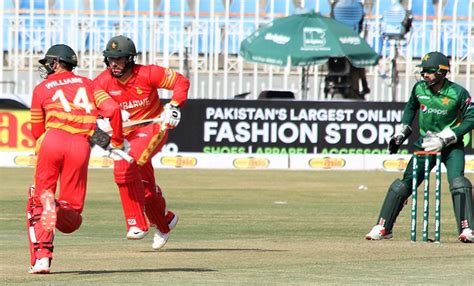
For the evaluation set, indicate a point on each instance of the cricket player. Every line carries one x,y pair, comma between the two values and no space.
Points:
134,87
446,114
63,117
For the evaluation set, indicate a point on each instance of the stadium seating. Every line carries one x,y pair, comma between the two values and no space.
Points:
248,10
324,7
7,40
142,6
205,7
460,20
279,8
35,4
68,5
143,25
137,12
102,5
210,35
461,11
34,34
176,27
249,7
383,5
91,35
417,8
175,6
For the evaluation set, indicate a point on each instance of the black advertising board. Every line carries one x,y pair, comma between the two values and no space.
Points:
289,127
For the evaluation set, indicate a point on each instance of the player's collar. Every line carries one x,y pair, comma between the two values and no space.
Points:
125,80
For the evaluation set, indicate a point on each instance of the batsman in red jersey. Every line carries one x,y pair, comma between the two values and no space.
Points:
63,117
134,87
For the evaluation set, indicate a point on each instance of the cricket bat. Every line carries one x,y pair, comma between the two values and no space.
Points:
133,123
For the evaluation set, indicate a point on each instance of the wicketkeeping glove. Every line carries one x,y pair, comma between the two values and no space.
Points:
398,138
171,116
438,141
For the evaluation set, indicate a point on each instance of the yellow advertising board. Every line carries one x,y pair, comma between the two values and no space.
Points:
15,131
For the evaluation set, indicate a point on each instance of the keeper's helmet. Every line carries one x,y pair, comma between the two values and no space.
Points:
57,53
435,63
120,46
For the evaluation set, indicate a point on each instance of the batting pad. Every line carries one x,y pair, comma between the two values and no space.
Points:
40,241
132,194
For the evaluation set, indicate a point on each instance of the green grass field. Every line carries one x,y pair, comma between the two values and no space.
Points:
239,227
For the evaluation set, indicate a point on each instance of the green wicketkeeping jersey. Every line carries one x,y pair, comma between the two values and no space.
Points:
450,107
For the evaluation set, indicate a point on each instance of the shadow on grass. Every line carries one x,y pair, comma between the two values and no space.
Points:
93,272
214,250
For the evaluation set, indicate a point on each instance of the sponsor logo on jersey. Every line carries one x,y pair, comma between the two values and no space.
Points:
139,90
135,103
115,92
423,97
251,163
436,111
327,163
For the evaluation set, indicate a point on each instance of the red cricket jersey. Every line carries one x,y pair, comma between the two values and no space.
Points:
63,101
138,94
67,101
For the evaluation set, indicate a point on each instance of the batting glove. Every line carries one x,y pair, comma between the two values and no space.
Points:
439,141
171,116
103,124
113,154
398,138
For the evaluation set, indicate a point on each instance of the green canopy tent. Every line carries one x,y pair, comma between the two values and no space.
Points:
304,40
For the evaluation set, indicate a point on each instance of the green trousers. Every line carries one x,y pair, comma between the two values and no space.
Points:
453,159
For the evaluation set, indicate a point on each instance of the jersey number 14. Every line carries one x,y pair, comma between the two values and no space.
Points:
81,100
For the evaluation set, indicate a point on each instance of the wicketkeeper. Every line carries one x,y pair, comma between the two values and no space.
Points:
134,87
63,118
446,114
